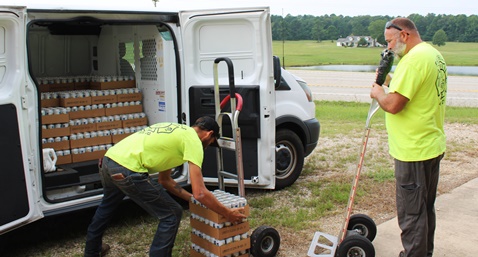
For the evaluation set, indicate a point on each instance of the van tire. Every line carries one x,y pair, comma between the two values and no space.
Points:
289,158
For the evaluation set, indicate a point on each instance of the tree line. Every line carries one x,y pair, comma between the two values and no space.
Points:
451,28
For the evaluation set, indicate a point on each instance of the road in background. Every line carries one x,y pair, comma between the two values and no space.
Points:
355,86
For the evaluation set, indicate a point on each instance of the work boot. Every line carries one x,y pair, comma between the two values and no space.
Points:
105,248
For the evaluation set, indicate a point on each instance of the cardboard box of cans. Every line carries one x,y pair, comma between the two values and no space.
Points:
92,141
87,156
104,99
64,83
113,84
193,253
80,114
118,137
57,145
57,87
211,215
55,132
223,232
232,248
50,102
80,101
55,118
67,115
63,159
212,234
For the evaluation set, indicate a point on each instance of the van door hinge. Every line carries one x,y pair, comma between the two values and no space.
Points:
24,102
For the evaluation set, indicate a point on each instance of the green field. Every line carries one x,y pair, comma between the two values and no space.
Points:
311,53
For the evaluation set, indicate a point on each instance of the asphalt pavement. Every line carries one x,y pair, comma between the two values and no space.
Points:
355,86
457,226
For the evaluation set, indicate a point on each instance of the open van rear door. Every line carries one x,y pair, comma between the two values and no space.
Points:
19,127
244,36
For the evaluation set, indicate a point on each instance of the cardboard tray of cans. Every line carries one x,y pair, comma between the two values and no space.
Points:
104,140
211,215
83,128
213,234
62,145
55,132
88,156
57,87
87,113
64,159
220,233
194,253
135,122
129,97
118,137
55,118
104,99
227,199
113,84
53,102
123,110
226,249
70,102
109,125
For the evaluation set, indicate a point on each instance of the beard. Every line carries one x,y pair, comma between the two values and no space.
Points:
399,49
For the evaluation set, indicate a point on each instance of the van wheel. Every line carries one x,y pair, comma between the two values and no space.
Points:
289,158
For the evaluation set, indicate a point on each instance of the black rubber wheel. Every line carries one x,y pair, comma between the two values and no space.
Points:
355,246
363,225
265,242
289,158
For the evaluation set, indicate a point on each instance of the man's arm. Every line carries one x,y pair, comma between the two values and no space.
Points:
170,184
204,196
392,102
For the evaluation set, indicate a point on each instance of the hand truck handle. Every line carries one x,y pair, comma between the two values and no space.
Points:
239,102
230,71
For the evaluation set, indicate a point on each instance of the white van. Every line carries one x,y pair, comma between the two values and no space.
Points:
76,79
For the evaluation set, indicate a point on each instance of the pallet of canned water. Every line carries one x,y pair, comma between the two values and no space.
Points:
212,235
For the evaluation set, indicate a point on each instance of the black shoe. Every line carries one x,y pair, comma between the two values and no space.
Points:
105,248
402,254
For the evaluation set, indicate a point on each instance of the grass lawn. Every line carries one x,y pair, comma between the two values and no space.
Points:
311,53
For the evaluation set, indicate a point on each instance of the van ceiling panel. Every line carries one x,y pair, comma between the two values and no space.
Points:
74,29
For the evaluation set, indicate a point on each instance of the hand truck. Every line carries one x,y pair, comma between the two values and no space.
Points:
358,231
265,240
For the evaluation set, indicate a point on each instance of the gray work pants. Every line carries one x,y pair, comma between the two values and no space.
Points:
416,187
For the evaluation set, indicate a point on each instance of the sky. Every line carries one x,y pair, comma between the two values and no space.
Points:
370,7
294,7
356,7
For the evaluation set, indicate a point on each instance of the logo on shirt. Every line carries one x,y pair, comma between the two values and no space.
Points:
162,128
441,81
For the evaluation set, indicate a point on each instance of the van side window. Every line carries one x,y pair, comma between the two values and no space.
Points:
126,60
148,60
283,85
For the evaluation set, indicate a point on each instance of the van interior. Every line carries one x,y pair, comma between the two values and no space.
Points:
99,81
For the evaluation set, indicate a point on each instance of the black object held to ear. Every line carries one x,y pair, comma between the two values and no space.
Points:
385,66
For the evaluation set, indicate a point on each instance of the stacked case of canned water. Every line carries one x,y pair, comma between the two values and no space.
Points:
212,235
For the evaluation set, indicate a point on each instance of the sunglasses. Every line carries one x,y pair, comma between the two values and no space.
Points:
389,24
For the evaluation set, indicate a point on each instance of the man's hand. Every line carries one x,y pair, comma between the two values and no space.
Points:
204,196
391,103
377,92
236,215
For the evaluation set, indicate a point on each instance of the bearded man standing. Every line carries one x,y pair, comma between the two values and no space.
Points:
415,111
